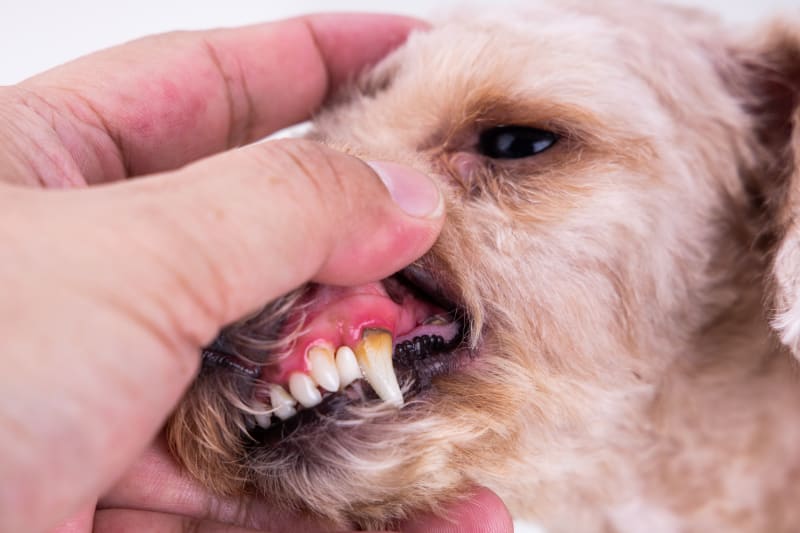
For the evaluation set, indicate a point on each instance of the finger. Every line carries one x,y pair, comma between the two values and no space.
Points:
80,522
157,484
482,512
134,521
175,492
122,285
160,102
261,221
178,495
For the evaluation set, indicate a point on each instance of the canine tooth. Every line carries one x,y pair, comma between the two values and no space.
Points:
304,389
374,355
282,402
323,368
347,366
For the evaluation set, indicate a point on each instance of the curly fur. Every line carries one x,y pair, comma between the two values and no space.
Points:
622,286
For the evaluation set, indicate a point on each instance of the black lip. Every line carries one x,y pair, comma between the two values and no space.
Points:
220,355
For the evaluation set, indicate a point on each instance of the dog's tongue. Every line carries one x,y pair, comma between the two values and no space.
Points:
338,316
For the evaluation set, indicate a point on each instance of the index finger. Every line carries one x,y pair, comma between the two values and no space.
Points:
166,100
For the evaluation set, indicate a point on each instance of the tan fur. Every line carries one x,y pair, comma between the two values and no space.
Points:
620,285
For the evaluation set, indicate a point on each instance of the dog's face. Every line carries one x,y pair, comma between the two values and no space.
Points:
597,165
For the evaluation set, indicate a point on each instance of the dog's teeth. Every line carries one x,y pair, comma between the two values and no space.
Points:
282,402
347,366
263,419
374,355
436,320
304,389
323,368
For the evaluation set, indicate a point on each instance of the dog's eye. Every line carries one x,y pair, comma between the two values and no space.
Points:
514,142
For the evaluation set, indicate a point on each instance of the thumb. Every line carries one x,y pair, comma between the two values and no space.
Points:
247,226
113,289
481,512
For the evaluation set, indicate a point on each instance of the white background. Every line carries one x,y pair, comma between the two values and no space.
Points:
38,34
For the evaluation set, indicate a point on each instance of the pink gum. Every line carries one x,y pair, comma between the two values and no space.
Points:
342,323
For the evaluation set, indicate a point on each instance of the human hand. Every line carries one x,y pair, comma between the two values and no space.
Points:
110,291
155,495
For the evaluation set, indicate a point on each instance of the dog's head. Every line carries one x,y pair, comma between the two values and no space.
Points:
616,180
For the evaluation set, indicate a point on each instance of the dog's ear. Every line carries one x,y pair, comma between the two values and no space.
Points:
771,95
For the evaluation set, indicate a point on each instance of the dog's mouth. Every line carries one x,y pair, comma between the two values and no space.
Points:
375,344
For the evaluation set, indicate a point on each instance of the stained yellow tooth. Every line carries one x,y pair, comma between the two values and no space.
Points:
323,368
436,320
347,366
304,389
374,356
282,402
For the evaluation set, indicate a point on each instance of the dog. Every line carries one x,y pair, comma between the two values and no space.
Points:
605,332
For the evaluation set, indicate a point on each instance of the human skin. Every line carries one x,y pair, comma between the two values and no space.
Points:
111,285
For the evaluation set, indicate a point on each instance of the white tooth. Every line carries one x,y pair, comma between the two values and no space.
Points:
374,355
347,366
263,419
323,369
282,402
304,389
